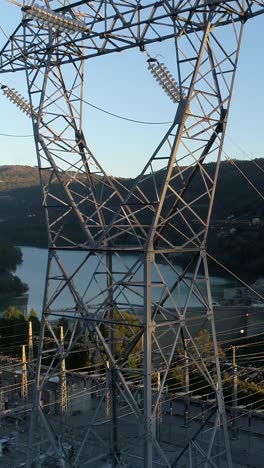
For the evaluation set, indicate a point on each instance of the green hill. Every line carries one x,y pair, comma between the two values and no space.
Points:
236,205
14,177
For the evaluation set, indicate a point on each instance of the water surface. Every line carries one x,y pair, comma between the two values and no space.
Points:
33,272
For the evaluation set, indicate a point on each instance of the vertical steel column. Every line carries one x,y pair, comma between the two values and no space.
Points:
147,359
111,371
219,387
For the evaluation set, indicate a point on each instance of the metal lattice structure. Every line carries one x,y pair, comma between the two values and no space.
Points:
129,236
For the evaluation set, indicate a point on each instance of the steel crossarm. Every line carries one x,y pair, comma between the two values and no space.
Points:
115,27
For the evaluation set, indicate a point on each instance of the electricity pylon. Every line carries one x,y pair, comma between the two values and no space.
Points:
165,214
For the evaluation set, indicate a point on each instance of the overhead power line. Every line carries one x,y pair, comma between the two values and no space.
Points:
122,117
9,135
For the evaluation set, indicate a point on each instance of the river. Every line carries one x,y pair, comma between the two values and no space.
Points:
33,269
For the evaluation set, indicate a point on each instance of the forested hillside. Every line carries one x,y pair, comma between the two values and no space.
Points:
237,219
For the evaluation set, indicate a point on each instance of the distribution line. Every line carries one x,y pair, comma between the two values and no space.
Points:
8,349
190,319
15,135
138,354
77,394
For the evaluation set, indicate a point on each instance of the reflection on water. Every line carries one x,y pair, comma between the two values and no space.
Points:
33,271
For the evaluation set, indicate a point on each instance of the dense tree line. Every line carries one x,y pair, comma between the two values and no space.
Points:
250,389
14,334
14,330
10,258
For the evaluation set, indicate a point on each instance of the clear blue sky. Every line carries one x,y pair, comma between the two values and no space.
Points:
122,84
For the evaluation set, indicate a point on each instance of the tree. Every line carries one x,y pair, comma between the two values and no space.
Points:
78,358
123,334
35,323
175,379
14,331
205,345
33,315
13,314
10,257
202,349
11,285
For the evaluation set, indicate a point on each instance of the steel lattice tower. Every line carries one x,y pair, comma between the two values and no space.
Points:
153,221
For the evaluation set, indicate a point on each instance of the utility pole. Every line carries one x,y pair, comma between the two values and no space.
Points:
24,384
2,402
63,379
107,392
30,344
186,385
30,365
159,409
235,379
